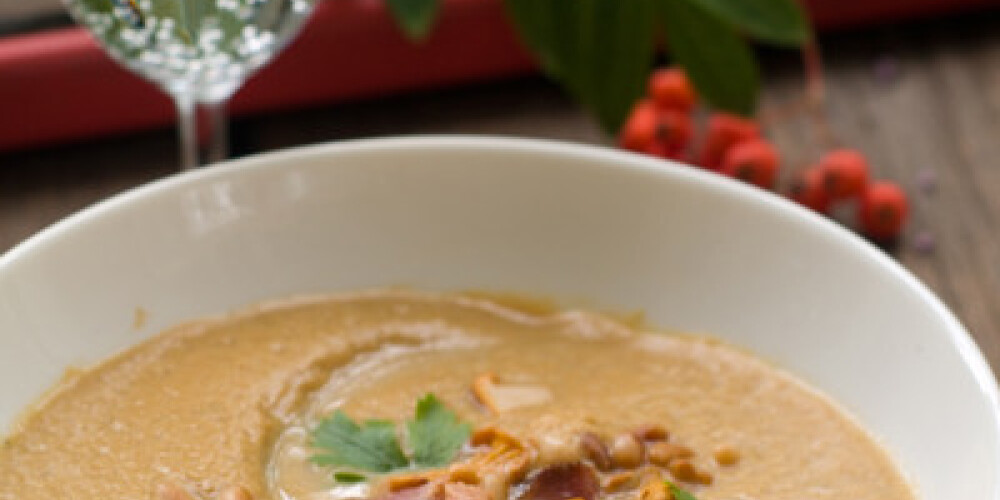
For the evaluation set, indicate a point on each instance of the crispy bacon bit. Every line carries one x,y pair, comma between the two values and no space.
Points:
499,398
563,482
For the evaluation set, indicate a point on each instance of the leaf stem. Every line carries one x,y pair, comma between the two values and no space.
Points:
813,101
813,63
815,93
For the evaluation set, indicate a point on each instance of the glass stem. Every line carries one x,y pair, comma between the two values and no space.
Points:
218,146
187,130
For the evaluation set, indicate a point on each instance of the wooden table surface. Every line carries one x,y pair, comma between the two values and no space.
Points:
922,100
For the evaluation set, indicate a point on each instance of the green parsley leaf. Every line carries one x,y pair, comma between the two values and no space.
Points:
372,446
435,433
349,477
678,493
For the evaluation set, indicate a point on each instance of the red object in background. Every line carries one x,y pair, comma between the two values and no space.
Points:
724,131
883,211
59,85
755,161
837,14
807,190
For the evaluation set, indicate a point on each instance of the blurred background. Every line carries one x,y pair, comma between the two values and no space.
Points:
913,84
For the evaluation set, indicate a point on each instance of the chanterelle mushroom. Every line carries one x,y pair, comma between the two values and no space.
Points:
497,397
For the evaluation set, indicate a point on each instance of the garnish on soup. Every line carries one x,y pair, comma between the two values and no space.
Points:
435,436
527,404
447,461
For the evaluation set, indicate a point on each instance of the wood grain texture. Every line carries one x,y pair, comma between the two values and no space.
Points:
923,101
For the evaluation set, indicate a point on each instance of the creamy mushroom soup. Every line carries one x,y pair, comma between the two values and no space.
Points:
396,395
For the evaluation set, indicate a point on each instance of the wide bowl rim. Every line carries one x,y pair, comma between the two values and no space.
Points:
970,353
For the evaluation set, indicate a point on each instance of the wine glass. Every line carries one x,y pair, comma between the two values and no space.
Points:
198,51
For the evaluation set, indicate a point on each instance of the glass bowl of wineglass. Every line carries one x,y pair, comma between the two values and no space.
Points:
198,51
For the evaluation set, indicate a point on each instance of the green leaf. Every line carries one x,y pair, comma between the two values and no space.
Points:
780,22
416,17
435,433
372,446
600,50
718,61
533,19
349,477
679,494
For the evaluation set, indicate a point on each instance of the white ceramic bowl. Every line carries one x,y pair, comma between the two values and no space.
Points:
695,251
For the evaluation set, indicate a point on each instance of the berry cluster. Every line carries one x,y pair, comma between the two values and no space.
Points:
661,125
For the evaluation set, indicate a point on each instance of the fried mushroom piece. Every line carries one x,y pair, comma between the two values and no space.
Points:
498,397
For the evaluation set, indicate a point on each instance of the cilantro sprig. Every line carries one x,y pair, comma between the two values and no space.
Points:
371,446
435,435
678,494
